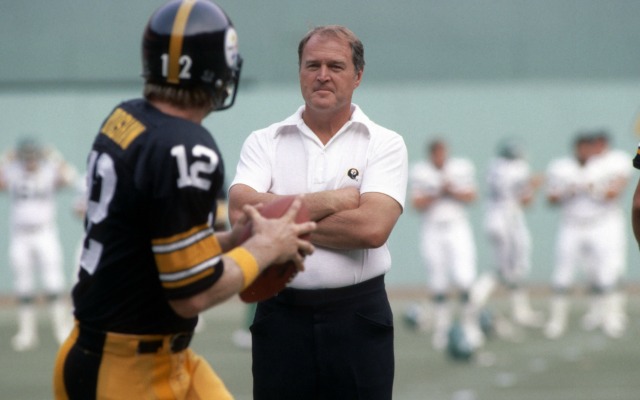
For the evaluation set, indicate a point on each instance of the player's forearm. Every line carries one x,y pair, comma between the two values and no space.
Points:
274,241
229,284
226,240
241,267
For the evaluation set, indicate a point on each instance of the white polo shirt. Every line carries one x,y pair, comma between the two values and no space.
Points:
287,158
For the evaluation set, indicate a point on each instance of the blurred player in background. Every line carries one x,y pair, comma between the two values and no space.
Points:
329,334
441,188
151,261
512,187
612,171
586,187
32,175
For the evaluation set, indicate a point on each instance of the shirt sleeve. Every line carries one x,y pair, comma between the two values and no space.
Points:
388,169
255,166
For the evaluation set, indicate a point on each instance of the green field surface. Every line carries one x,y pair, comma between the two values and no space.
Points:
580,365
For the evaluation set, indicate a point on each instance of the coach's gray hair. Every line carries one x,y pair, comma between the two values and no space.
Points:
338,31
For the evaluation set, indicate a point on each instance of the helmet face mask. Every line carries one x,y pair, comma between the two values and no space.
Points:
193,44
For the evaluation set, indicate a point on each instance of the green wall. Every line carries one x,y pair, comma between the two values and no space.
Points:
71,41
472,71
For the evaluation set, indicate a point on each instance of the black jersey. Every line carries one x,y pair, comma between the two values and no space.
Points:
152,179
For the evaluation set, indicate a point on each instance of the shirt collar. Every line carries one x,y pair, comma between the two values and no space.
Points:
357,116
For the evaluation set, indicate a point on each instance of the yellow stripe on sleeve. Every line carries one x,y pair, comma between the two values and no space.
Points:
187,281
186,257
181,236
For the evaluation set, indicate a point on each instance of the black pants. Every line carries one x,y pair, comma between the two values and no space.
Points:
324,344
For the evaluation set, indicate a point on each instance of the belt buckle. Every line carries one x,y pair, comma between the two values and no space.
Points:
180,341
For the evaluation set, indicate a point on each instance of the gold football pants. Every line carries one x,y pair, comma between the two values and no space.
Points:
117,366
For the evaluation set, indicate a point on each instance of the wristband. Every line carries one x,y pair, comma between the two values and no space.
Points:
247,263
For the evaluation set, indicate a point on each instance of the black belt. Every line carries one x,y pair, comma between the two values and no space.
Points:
317,297
99,341
177,342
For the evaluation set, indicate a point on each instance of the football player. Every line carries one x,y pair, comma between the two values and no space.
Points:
612,170
512,187
575,184
441,188
32,175
151,260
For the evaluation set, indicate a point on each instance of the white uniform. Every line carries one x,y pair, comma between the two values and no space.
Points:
592,233
34,239
508,181
579,241
288,158
447,244
592,229
608,168
34,249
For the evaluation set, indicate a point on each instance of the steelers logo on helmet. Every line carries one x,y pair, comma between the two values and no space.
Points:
192,43
353,173
231,48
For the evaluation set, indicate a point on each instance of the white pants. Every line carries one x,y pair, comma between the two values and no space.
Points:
36,254
599,246
449,252
511,243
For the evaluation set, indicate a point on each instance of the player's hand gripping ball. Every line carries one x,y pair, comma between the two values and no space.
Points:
275,277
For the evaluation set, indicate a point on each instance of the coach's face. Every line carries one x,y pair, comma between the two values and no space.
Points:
327,74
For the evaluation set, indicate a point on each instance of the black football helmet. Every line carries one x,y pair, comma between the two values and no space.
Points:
192,43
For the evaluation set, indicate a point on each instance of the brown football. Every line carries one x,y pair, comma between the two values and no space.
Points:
275,277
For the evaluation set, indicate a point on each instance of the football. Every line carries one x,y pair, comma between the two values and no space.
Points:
275,277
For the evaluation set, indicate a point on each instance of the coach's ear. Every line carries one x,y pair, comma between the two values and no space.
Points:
358,79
